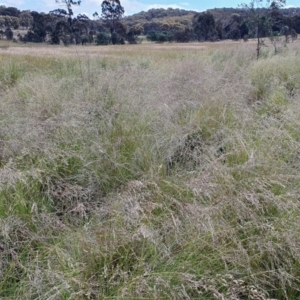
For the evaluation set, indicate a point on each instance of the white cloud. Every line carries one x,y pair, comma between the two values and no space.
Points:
184,3
166,6
289,6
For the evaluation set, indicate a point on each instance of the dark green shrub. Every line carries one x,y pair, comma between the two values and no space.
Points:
9,33
102,38
114,38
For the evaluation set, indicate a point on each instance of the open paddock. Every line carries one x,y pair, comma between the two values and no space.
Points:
152,171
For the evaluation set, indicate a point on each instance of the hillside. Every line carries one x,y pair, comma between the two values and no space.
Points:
163,14
155,14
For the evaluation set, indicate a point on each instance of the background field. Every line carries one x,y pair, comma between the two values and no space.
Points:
149,172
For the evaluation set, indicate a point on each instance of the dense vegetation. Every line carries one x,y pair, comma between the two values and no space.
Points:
149,172
158,25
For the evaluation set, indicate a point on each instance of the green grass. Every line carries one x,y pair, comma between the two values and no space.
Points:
149,173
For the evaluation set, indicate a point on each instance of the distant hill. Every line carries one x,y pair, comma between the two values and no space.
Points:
218,12
159,13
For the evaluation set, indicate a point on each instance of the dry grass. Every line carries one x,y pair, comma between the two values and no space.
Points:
149,172
117,50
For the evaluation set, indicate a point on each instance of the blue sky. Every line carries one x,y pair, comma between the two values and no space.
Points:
131,6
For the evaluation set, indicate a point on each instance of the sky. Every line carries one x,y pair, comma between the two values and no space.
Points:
88,7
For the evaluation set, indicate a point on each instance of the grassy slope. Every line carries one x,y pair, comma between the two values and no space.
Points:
146,172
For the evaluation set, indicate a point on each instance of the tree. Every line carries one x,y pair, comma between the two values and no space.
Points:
296,23
102,38
133,33
61,32
294,35
121,29
26,19
95,15
12,11
9,33
59,13
14,22
234,34
7,21
152,36
37,32
112,11
9,11
2,21
285,30
260,21
68,5
159,37
204,26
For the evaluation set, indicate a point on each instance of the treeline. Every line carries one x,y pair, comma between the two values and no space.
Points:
216,24
59,26
158,25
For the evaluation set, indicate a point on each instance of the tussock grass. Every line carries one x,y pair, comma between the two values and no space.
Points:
150,174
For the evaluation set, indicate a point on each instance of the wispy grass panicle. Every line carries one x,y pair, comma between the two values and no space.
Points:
149,172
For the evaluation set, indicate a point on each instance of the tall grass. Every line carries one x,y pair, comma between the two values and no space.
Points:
161,175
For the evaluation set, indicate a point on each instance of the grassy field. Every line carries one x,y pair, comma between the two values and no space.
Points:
149,172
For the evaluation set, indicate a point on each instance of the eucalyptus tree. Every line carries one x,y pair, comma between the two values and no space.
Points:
68,4
26,19
112,12
260,22
204,26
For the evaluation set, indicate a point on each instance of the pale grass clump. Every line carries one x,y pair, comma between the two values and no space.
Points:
274,73
161,175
